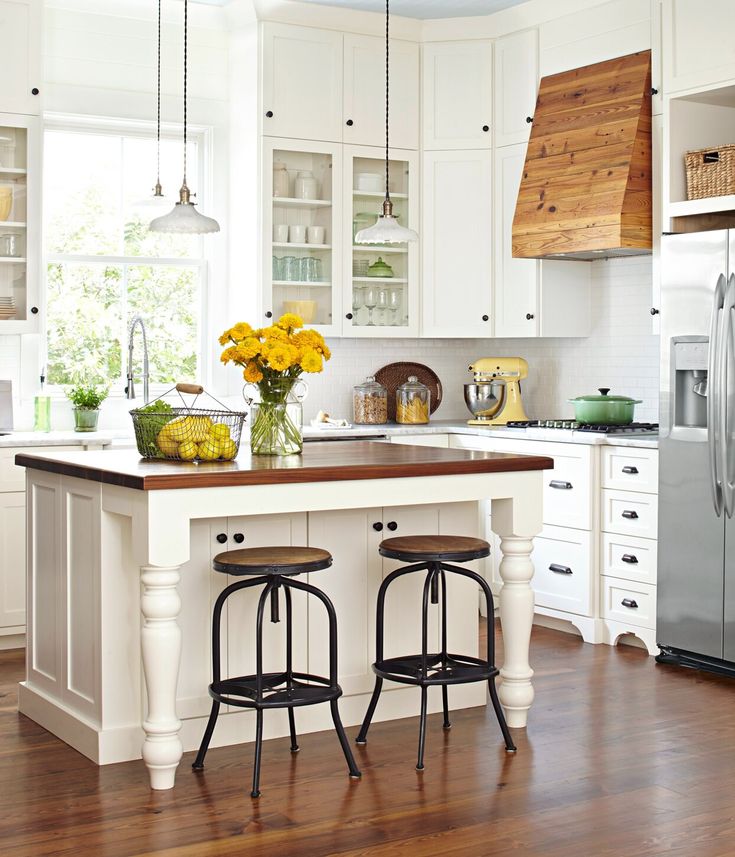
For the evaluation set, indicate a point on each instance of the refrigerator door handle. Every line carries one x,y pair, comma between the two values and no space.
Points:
714,397
726,396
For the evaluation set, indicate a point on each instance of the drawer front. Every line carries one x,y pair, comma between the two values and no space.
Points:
630,469
630,513
630,558
632,603
563,563
440,440
568,496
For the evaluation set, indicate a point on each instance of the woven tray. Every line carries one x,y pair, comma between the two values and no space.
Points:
710,172
395,374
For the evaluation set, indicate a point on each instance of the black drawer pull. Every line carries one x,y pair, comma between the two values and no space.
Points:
560,569
561,484
627,513
392,526
628,602
630,558
221,538
239,538
378,526
630,469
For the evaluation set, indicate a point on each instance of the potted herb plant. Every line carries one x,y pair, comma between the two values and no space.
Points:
86,399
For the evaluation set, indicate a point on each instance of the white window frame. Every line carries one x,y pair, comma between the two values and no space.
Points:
133,128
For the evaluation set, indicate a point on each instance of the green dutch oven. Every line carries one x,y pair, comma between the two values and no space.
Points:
604,409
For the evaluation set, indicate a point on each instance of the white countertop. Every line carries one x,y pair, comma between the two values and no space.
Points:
457,427
57,438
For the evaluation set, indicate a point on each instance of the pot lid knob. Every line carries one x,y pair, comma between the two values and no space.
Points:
604,390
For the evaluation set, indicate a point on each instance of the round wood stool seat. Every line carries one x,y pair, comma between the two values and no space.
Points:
285,561
434,548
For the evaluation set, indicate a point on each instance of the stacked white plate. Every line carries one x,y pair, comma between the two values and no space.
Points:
7,308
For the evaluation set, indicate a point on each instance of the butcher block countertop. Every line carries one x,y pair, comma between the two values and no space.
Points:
318,463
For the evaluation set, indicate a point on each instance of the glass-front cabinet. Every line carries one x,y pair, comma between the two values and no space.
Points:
19,222
302,185
380,285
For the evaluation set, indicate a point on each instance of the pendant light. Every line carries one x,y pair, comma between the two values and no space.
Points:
184,218
158,199
387,230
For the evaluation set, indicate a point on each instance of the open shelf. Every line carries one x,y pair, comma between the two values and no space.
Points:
12,224
377,248
12,259
13,171
378,194
289,246
317,284
379,280
701,206
290,202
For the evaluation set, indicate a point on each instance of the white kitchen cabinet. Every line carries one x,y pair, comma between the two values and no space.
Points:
20,57
457,95
440,441
314,295
457,244
630,513
364,92
12,563
395,313
698,47
657,83
301,82
532,298
630,468
515,86
563,559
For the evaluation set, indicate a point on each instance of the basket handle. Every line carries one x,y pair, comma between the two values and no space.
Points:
194,389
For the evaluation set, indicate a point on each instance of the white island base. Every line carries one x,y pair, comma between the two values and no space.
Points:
121,590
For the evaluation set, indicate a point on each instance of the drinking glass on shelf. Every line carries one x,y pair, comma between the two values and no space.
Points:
277,268
382,304
310,269
290,268
371,301
357,302
360,267
394,304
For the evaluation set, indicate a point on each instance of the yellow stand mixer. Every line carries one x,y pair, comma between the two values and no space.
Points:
494,398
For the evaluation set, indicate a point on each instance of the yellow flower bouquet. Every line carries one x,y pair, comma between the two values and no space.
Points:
273,359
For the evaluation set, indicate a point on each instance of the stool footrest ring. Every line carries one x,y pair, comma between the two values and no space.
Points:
277,690
454,669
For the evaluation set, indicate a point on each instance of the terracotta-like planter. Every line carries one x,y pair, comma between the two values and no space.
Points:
85,419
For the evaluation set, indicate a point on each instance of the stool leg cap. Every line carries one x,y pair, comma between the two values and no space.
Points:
357,776
447,726
254,794
295,749
511,750
196,767
419,767
361,743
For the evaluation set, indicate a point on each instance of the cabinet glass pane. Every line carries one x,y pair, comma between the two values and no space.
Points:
13,216
302,274
379,272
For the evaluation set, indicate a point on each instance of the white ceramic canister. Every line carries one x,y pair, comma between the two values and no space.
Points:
305,186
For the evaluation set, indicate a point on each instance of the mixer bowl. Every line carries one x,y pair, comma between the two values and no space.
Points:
485,400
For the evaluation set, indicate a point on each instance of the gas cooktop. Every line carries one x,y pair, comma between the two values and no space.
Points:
572,425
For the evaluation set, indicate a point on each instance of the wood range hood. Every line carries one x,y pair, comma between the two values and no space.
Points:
585,192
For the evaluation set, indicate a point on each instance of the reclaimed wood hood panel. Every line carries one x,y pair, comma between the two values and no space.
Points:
585,192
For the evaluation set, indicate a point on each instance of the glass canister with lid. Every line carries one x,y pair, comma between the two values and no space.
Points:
412,402
370,403
280,179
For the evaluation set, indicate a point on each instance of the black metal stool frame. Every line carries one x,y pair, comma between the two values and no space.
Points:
413,669
248,690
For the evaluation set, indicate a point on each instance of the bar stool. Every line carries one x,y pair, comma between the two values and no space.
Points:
274,568
433,555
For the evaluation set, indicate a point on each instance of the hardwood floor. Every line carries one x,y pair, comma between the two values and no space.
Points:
622,758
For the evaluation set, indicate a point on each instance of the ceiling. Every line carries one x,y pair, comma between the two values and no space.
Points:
425,8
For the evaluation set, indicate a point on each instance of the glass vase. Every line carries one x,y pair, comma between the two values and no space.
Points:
277,419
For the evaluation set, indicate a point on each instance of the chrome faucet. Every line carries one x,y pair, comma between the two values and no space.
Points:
130,389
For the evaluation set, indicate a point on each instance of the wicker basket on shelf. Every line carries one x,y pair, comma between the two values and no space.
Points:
710,172
187,433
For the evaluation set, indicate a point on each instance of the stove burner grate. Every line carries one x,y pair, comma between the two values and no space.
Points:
572,425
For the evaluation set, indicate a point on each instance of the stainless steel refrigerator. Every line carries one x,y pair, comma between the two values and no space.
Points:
696,535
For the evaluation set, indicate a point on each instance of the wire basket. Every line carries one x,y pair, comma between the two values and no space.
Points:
187,433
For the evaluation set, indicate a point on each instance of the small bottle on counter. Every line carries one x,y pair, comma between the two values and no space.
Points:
42,407
412,402
370,403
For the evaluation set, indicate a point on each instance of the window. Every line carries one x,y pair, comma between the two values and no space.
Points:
104,266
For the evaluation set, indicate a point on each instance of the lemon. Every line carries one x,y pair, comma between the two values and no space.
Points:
209,451
188,450
200,428
167,446
220,431
228,449
179,429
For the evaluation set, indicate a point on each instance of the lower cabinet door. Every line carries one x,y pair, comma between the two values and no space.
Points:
632,603
13,561
563,562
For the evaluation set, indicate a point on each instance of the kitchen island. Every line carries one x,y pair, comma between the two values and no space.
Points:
121,588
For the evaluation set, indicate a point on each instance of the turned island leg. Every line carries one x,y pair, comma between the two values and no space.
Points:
161,647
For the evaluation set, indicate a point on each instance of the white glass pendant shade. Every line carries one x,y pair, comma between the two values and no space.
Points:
386,230
184,218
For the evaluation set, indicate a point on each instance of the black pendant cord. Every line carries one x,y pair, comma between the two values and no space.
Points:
158,122
387,97
186,35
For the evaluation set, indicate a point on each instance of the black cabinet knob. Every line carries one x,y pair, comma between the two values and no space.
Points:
378,526
486,318
654,91
269,314
34,91
349,123
529,316
486,128
239,538
654,311
392,526
529,119
349,316
221,538
34,310
269,114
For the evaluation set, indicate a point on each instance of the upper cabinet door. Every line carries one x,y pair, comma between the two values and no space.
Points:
698,46
302,83
457,244
364,92
516,85
20,57
458,94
